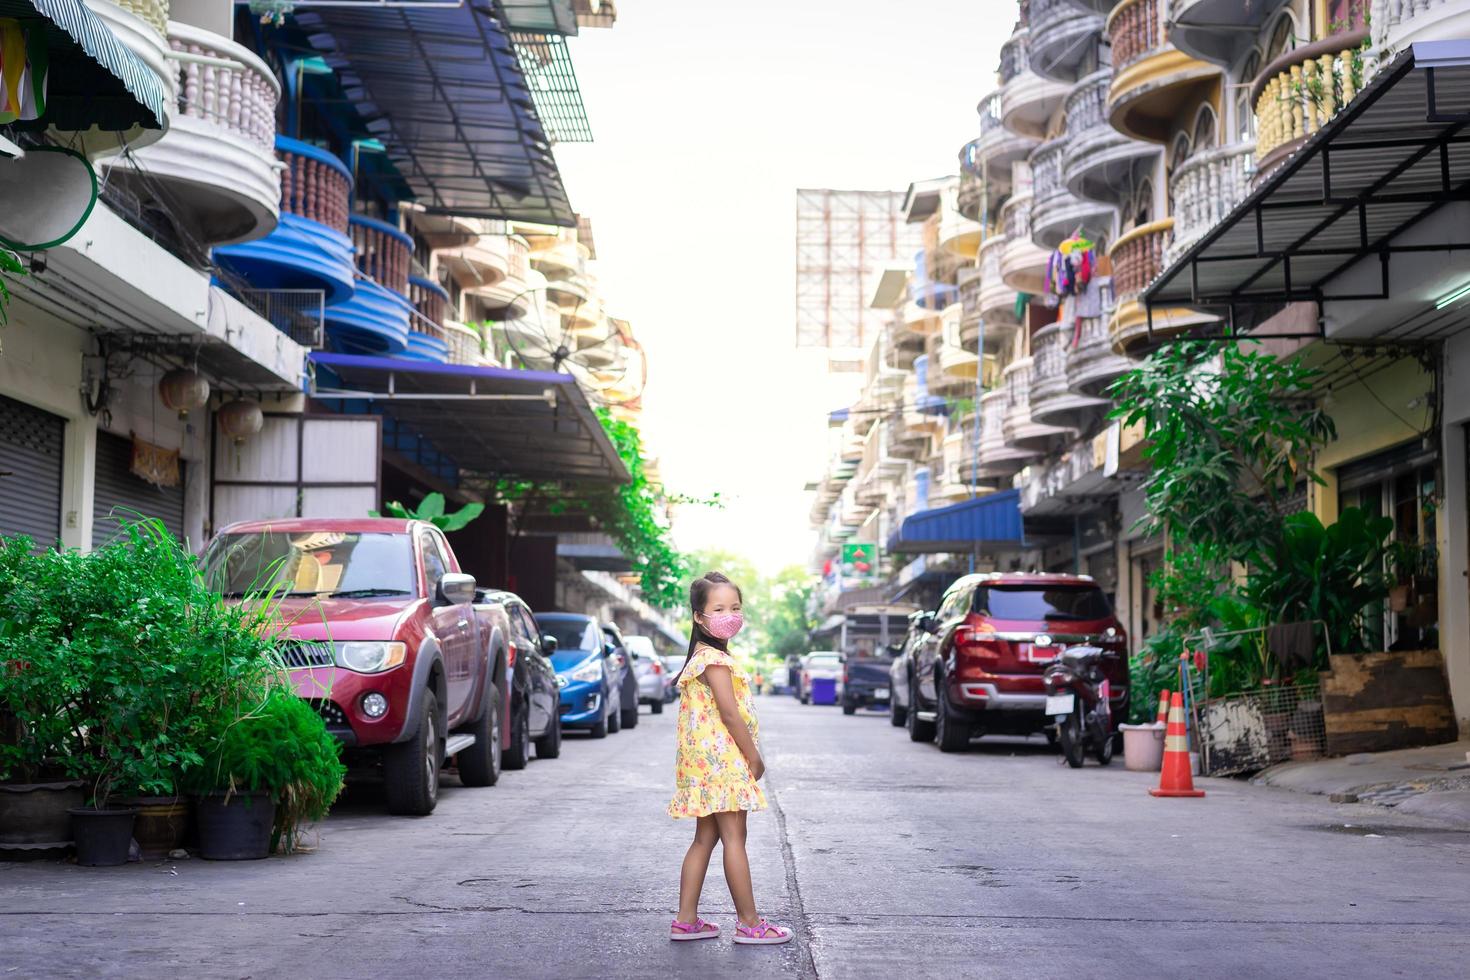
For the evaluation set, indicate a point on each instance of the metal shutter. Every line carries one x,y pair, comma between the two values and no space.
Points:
30,472
121,496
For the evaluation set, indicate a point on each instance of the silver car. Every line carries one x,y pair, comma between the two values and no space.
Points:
649,669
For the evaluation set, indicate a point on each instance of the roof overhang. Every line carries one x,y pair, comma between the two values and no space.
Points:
988,523
1349,220
93,80
493,422
443,90
891,289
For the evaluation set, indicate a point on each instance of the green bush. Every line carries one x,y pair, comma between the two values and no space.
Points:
121,668
279,747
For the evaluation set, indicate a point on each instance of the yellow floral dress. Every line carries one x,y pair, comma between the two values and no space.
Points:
710,772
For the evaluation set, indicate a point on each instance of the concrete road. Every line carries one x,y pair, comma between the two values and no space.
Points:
891,859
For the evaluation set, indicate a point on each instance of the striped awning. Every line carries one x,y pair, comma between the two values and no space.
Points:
93,79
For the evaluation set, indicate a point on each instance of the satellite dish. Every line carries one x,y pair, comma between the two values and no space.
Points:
48,194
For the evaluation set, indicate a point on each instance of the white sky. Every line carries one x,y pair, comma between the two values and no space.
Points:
707,117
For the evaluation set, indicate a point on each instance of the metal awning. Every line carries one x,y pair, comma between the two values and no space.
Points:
493,422
1387,177
443,90
992,521
93,80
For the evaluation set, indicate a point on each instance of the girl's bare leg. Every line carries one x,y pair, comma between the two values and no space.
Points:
696,863
737,865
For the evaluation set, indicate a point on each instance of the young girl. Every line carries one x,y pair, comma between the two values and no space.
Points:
717,765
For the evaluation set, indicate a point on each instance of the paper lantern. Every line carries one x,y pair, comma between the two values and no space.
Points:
183,390
240,419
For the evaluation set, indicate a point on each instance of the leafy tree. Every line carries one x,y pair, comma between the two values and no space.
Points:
431,509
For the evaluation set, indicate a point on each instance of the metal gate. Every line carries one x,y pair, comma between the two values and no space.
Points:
120,496
30,472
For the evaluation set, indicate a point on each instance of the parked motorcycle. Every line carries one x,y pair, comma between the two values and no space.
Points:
1077,698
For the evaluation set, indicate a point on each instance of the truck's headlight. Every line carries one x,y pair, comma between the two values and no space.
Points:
590,671
370,657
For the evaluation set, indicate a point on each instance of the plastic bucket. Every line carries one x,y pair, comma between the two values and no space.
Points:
824,690
1143,747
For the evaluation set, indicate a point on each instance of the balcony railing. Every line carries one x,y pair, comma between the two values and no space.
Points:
1013,57
1087,104
971,197
1049,362
152,12
428,299
1091,363
1204,188
1134,30
1391,16
1046,170
311,186
1138,257
383,252
236,90
1296,94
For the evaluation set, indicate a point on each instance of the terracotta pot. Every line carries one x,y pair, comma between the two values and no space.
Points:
1398,598
162,824
34,815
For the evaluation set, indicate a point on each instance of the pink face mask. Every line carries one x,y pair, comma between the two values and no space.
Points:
722,626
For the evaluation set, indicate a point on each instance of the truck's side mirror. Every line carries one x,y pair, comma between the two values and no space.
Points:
928,624
456,588
548,644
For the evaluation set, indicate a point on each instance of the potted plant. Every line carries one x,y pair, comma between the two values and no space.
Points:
268,771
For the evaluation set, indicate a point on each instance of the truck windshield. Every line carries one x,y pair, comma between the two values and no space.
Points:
311,563
1043,603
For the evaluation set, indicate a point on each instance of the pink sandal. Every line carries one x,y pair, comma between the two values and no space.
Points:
763,933
698,929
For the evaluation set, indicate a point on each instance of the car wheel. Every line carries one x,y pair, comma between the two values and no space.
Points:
806,699
1070,732
411,768
1103,752
896,715
519,752
919,730
629,704
601,729
1051,735
951,731
657,707
479,765
849,707
548,746
615,717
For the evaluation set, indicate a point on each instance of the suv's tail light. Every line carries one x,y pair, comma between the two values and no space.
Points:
977,643
658,668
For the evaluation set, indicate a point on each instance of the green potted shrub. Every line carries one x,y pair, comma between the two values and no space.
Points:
267,771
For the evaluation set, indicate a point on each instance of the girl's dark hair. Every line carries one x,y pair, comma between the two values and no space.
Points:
698,595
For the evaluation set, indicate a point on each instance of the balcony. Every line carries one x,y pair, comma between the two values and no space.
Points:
957,366
430,300
958,235
1023,263
1399,23
1219,31
558,258
1297,94
952,487
971,198
1027,100
991,155
1099,162
1061,36
930,294
309,248
969,285
1055,211
1053,400
1138,258
442,232
1091,363
1154,83
999,457
379,317
997,300
141,26
520,292
216,164
1203,189
1018,424
465,346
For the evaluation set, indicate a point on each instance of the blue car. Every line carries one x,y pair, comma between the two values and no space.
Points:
591,685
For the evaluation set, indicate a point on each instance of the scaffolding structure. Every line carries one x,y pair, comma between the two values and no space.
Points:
843,241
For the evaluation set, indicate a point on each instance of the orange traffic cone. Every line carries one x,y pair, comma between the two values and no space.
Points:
1175,779
1163,714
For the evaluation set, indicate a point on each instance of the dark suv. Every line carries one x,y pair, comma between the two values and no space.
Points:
978,668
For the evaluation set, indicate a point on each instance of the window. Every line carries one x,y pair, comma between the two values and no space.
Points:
1347,15
572,632
1042,603
1283,38
1245,111
434,564
310,563
1204,130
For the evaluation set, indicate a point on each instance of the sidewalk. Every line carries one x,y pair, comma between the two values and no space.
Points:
1431,782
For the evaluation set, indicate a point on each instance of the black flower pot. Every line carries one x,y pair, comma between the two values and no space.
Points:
37,815
235,826
102,836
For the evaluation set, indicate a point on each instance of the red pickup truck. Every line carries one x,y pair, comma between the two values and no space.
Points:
386,643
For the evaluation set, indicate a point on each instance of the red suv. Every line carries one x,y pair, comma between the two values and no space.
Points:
978,669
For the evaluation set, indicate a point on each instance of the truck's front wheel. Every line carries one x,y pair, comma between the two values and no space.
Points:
411,768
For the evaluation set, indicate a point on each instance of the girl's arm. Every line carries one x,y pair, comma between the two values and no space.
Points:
722,685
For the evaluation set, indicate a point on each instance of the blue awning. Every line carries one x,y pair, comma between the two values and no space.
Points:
992,521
